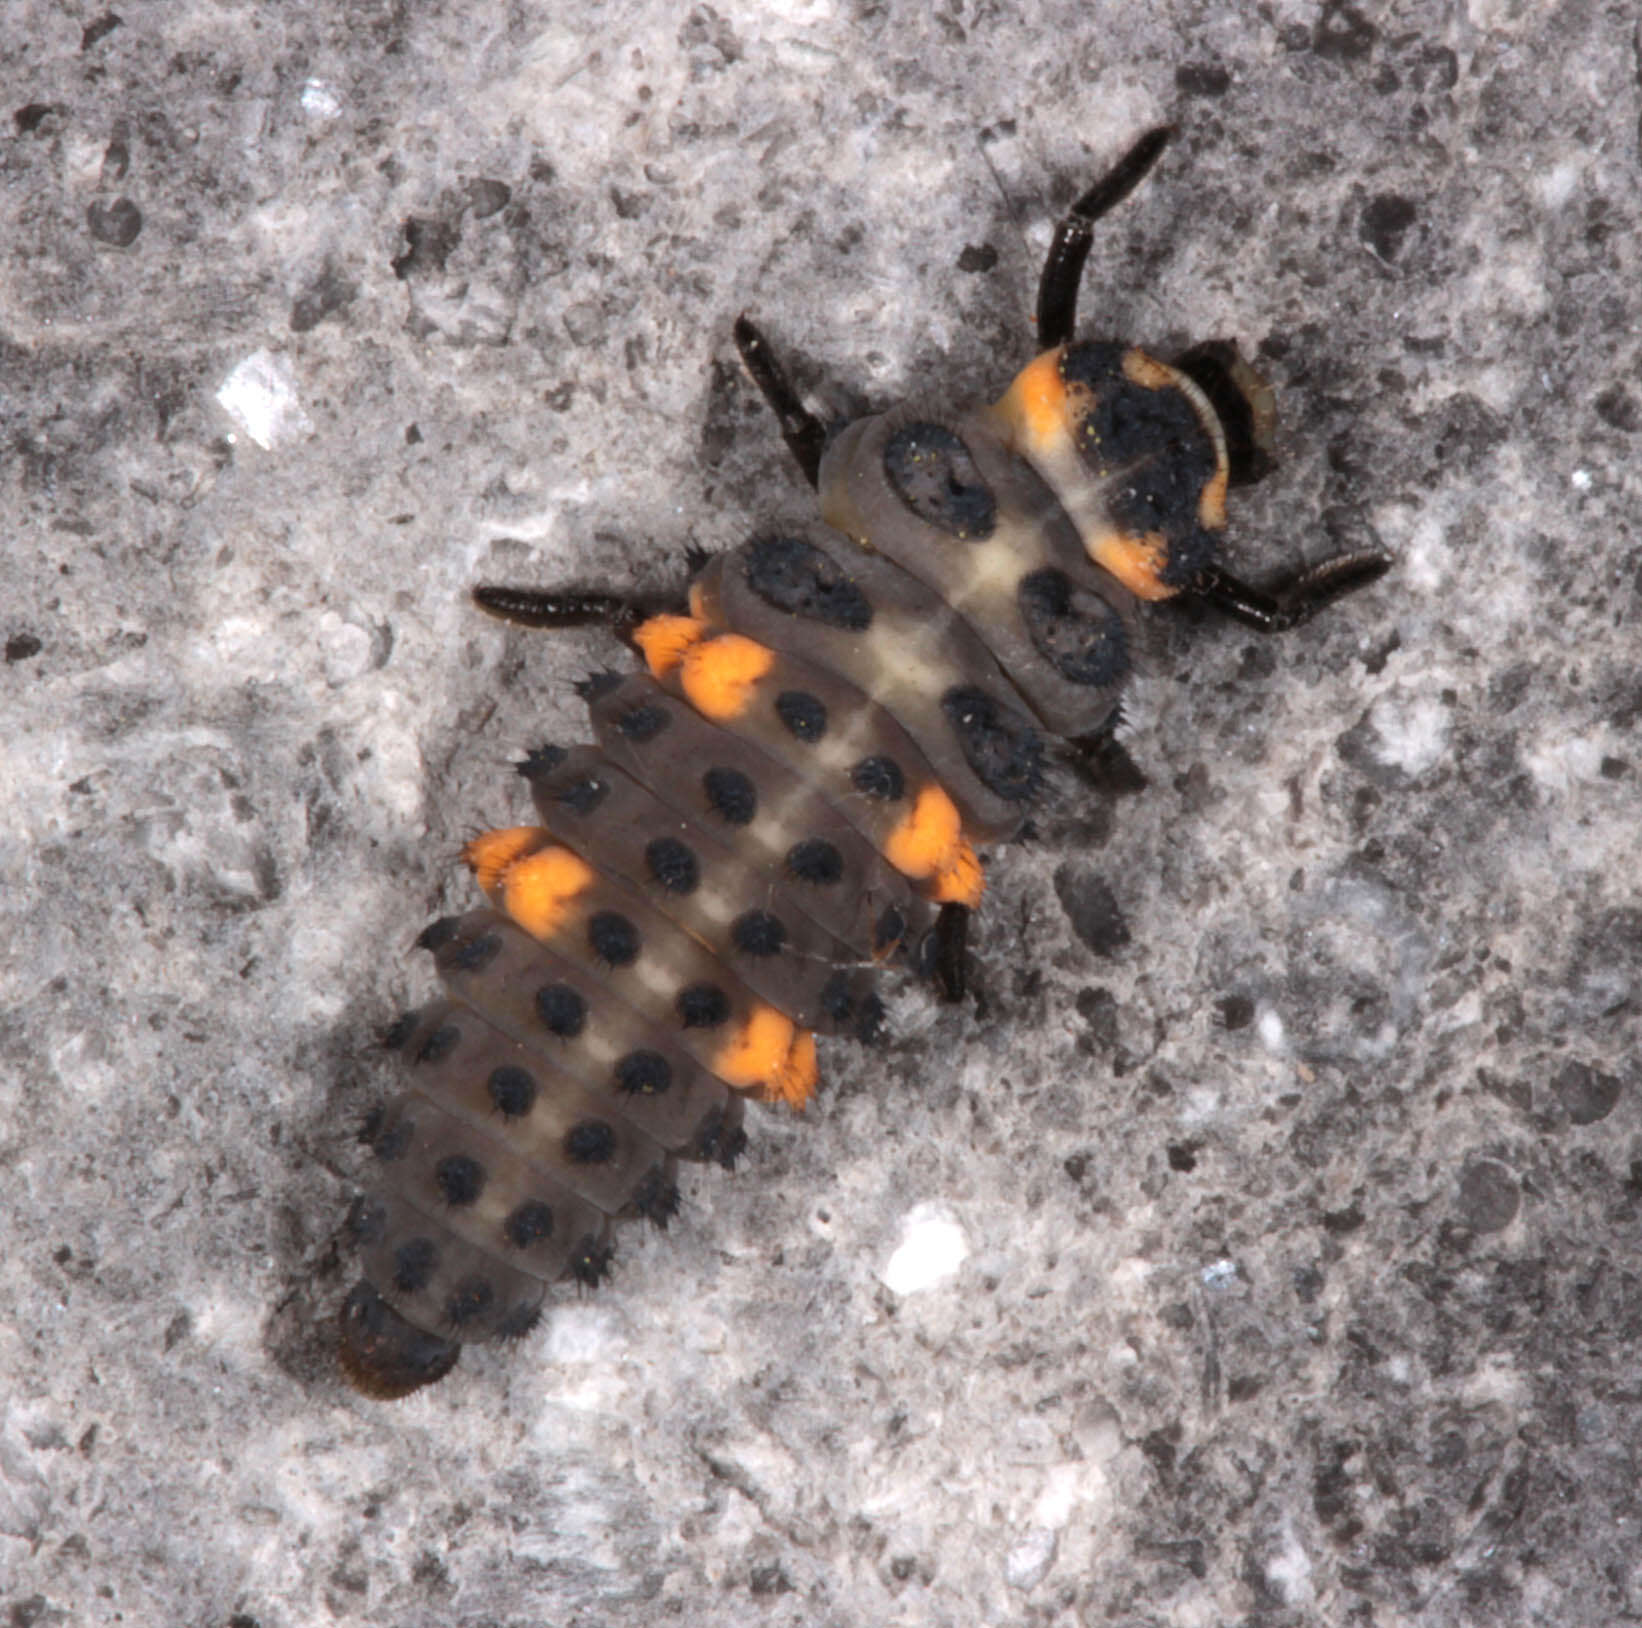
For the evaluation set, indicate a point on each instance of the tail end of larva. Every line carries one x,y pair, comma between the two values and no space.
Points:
382,1355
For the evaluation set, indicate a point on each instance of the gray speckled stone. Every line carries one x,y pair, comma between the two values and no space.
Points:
1298,1233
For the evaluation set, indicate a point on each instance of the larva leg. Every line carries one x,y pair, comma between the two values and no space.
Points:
1058,287
803,432
1293,599
947,954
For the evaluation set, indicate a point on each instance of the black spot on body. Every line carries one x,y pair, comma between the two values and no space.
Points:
413,1264
367,1220
394,1143
719,1140
672,865
643,1074
563,1012
518,1321
438,933
529,1224
460,1179
869,1021
757,932
935,476
702,1006
643,722
440,1044
469,1301
400,1030
805,715
888,930
656,1198
1003,749
731,796
597,685
590,1141
796,577
1077,633
613,938
512,1090
590,1264
541,761
816,861
584,795
476,955
836,1000
879,777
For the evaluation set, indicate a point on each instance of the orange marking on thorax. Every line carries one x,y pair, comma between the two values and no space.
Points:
1137,562
490,853
1147,371
928,839
1211,503
1035,405
718,675
663,640
538,890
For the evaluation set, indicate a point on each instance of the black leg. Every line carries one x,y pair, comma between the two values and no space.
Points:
1102,762
1294,599
951,942
569,607
1058,287
803,432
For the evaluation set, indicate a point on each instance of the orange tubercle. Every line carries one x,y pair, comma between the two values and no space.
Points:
928,839
490,853
757,1051
795,1081
538,890
718,675
961,882
663,640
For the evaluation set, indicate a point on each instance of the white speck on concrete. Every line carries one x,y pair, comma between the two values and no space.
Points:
320,101
1289,1570
1581,479
1413,730
1272,1030
933,1246
1556,185
1028,1563
1220,1274
345,649
260,396
1561,763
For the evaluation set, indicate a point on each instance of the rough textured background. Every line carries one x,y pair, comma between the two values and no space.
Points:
1295,1143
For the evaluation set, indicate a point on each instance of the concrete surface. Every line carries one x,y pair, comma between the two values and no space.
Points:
1263,1246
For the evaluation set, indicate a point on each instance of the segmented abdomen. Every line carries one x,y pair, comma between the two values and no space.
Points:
772,811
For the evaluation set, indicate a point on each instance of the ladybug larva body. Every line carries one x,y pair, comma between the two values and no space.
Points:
786,798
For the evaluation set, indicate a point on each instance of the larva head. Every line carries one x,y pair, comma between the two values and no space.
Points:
1136,454
384,1357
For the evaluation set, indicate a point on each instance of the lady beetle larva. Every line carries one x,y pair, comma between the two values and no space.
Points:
787,796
